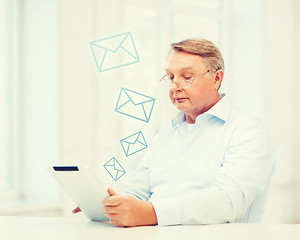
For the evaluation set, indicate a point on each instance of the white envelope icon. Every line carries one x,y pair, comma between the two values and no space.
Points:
114,52
114,169
135,105
134,143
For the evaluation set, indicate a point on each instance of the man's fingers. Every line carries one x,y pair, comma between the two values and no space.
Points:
111,210
111,201
112,192
76,210
116,222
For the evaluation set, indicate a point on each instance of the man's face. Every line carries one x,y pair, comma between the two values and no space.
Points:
202,93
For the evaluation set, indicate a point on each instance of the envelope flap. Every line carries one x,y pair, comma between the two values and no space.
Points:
141,139
111,43
129,46
110,163
131,139
137,98
118,166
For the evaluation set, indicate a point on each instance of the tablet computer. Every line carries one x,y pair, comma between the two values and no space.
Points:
84,189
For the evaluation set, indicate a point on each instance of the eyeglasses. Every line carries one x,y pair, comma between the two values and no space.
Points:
181,83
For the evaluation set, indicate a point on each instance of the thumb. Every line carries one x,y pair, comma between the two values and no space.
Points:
112,192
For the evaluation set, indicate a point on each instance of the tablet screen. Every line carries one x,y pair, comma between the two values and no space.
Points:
84,188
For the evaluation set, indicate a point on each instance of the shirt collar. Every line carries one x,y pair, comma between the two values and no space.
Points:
220,110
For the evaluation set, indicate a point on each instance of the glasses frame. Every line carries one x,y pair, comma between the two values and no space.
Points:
184,80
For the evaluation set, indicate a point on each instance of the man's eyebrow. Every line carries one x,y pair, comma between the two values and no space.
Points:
182,69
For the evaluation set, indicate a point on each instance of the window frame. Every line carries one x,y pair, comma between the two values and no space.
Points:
13,98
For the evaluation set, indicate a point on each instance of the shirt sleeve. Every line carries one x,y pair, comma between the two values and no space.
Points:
138,185
247,167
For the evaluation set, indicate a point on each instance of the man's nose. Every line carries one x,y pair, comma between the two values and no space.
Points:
175,87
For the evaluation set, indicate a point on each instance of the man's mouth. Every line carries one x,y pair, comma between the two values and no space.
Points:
179,99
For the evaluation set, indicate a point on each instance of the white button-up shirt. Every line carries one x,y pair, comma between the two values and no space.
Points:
214,171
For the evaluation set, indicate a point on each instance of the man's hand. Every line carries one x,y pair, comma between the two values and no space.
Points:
126,210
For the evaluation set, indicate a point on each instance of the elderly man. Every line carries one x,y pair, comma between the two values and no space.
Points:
212,164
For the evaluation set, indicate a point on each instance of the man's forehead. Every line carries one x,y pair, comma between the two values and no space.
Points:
184,61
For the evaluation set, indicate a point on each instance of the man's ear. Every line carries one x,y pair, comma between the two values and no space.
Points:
218,78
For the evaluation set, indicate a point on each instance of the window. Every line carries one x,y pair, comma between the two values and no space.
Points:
8,101
29,106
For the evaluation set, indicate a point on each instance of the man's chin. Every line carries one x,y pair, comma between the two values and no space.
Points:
181,107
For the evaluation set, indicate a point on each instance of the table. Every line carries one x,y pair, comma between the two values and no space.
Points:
13,228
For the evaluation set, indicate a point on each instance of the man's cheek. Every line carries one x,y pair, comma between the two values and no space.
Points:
172,99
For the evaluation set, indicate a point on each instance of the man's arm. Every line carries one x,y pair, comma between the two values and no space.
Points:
247,168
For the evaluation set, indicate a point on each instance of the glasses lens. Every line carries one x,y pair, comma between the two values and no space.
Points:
183,84
166,81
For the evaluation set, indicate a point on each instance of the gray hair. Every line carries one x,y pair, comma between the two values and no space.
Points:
203,48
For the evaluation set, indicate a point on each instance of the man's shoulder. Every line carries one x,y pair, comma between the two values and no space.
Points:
235,115
242,121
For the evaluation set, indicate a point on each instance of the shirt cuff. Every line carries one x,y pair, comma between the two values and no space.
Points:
167,211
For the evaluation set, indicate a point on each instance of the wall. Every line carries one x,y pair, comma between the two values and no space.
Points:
280,101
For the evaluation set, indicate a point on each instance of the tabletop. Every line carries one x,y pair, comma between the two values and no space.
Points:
13,228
